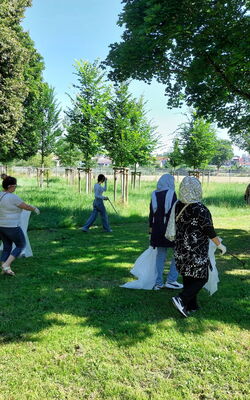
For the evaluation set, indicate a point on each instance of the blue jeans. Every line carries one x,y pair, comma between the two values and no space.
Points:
98,207
10,236
160,261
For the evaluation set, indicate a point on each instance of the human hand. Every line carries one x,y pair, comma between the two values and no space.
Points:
105,198
37,211
222,248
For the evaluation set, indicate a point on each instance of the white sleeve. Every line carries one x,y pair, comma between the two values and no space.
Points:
98,191
15,200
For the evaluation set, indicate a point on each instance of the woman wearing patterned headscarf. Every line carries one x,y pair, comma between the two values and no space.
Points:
191,225
162,201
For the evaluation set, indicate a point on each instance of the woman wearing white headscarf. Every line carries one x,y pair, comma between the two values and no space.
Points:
192,226
161,204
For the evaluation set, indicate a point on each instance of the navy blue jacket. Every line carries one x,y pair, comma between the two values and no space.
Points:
156,221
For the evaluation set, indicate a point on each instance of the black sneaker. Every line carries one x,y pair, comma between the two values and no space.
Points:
178,303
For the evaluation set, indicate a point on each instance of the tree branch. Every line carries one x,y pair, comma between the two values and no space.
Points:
229,84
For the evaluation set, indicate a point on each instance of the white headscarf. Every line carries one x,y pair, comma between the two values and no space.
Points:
166,182
190,192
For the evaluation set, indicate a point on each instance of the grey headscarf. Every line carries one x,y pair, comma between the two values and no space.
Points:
166,182
190,192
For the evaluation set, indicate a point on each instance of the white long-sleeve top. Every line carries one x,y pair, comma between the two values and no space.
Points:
98,189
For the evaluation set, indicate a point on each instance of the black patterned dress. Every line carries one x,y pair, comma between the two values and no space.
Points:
193,230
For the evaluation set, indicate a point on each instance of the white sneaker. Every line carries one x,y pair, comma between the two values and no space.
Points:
158,287
174,285
177,302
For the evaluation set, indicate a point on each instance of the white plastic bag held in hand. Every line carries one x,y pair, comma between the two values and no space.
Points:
213,276
145,270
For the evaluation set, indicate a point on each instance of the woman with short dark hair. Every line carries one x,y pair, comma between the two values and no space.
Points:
11,207
98,206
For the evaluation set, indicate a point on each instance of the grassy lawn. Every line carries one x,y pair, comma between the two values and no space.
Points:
68,331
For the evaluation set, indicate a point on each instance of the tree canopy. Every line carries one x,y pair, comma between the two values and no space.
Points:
48,122
175,157
128,137
85,119
13,55
224,152
20,82
199,49
197,140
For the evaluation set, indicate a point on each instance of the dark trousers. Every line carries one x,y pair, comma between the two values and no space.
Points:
191,287
10,236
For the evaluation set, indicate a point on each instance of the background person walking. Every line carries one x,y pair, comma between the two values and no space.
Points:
98,206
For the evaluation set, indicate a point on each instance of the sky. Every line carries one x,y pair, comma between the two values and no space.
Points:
68,30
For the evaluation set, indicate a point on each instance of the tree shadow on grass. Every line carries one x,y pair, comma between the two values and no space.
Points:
79,274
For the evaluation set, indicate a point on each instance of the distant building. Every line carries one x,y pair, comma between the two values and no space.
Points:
161,161
243,161
103,161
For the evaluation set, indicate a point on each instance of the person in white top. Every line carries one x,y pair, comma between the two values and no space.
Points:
11,207
98,206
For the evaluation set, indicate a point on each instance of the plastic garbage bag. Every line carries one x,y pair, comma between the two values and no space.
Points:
145,270
213,277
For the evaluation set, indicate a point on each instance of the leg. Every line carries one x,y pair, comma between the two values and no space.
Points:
104,216
7,245
173,273
16,236
192,286
160,261
90,220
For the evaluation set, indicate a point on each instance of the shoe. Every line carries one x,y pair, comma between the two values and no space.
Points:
178,303
158,287
110,230
84,230
7,271
174,285
191,311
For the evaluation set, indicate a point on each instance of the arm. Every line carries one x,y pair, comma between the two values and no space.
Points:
27,207
216,240
210,232
151,215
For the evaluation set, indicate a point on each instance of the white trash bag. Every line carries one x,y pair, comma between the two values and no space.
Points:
213,277
145,270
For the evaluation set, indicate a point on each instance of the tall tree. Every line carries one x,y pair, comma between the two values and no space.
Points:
13,58
224,152
26,141
128,137
85,119
199,49
175,157
68,154
198,142
49,122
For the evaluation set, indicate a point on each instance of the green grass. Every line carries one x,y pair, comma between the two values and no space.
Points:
68,331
